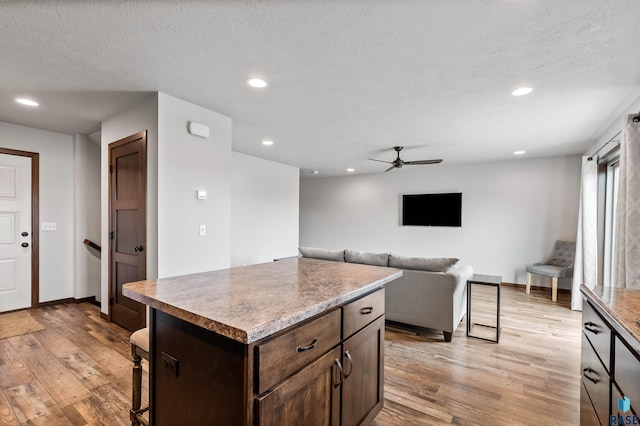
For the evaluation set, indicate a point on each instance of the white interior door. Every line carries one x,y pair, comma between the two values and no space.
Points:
15,232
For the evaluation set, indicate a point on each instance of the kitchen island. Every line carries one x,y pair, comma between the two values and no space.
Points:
297,341
610,391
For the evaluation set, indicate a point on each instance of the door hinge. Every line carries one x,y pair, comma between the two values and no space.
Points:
110,301
111,235
110,168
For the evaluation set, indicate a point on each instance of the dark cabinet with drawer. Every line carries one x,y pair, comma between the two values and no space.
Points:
343,387
327,370
610,369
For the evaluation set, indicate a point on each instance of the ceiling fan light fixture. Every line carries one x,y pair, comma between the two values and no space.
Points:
522,91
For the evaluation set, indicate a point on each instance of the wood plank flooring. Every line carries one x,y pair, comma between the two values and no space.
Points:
78,370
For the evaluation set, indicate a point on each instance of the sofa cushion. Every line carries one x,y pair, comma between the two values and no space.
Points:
431,264
367,258
320,253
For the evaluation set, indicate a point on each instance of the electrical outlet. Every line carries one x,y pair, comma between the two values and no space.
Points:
203,229
170,364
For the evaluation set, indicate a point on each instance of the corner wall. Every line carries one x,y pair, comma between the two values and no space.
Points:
264,210
512,212
187,163
86,159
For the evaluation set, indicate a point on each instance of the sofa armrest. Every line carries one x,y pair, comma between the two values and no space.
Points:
462,274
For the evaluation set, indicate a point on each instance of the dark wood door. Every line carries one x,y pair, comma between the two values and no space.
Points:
127,215
363,363
310,397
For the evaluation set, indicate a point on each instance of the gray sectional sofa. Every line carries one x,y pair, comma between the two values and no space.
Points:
430,294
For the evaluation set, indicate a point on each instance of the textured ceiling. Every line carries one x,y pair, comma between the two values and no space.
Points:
347,79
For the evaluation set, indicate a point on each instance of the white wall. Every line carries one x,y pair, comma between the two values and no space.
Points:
87,216
142,116
55,201
264,210
187,163
512,212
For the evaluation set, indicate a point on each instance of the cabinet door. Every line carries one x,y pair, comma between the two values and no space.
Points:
362,387
310,397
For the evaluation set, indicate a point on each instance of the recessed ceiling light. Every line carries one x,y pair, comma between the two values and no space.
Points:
315,172
351,170
27,102
267,143
257,82
522,91
519,152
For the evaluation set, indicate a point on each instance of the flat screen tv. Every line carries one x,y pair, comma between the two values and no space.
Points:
432,209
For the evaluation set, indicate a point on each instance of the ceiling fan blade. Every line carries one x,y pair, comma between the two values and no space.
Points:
424,162
390,168
382,161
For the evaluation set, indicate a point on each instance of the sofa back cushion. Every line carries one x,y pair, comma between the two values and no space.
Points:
431,264
320,253
367,258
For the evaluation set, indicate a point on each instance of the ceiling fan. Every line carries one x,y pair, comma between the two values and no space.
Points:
398,163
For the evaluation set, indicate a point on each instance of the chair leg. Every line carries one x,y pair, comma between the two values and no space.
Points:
554,289
136,395
528,282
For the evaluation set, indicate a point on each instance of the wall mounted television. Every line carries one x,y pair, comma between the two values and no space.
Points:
432,209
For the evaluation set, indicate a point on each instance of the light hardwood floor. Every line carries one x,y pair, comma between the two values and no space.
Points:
78,370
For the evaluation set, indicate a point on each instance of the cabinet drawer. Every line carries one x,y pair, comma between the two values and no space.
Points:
598,333
627,372
596,381
358,314
587,414
280,357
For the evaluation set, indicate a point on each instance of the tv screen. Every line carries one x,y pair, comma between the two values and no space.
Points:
432,209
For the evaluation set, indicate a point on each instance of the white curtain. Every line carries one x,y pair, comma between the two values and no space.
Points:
628,208
585,265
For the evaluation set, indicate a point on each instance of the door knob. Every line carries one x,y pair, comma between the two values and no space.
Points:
25,234
138,248
25,244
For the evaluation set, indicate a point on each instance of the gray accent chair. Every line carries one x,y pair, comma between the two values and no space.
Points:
560,265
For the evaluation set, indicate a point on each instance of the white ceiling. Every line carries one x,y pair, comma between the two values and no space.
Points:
347,79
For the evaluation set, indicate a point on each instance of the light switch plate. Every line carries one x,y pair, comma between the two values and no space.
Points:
48,226
203,229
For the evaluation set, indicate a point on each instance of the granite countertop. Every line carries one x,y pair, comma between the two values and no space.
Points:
252,302
622,305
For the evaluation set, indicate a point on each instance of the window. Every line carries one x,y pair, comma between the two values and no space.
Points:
608,175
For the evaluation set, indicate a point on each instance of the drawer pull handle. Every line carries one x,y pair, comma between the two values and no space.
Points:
592,327
308,348
340,373
366,311
350,365
589,370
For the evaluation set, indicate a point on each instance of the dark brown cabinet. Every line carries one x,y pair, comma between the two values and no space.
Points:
327,370
313,393
362,387
610,370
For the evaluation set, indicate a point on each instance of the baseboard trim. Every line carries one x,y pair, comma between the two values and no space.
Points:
534,287
90,299
104,316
